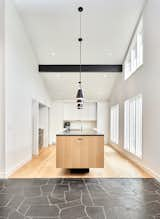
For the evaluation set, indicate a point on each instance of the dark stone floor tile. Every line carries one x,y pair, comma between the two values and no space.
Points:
86,199
125,213
118,213
95,212
59,188
23,208
47,189
14,190
54,181
97,191
4,211
32,191
72,180
55,199
69,204
91,180
127,202
4,199
42,198
43,211
146,197
26,182
152,208
2,183
71,196
1,190
80,186
108,203
85,218
16,215
73,213
140,214
44,218
38,201
15,201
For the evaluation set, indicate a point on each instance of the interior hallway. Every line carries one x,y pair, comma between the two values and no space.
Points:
44,166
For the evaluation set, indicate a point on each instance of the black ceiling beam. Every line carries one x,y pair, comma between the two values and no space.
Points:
75,68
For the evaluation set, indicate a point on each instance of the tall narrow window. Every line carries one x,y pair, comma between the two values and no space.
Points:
139,49
115,124
134,57
133,125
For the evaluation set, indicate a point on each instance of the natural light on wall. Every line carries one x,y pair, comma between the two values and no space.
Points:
133,125
115,124
134,57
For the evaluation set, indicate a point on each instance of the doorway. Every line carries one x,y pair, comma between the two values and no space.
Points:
40,126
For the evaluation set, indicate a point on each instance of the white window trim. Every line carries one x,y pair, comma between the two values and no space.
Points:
127,142
129,58
114,125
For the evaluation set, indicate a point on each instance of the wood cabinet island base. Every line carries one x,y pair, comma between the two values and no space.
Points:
80,151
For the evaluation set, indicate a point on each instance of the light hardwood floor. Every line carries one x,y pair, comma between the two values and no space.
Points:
44,166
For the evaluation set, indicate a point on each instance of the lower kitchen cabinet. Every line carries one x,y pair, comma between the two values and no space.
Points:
80,152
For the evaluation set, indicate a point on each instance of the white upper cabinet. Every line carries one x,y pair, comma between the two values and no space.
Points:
89,112
93,111
70,112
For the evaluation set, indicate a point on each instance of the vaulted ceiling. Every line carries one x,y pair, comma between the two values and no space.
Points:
53,28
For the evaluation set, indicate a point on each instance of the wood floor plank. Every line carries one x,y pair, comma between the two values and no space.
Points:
44,166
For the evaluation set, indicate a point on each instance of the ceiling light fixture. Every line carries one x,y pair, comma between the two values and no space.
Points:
53,53
79,95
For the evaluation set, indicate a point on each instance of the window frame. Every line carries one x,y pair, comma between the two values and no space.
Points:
114,124
134,108
137,45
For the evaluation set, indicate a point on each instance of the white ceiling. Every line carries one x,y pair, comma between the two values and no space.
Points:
53,28
96,86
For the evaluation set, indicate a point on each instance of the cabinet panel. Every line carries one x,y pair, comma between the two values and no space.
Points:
80,152
92,109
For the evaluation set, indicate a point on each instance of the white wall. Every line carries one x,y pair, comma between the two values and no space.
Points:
58,115
23,85
2,92
145,81
56,120
102,119
43,124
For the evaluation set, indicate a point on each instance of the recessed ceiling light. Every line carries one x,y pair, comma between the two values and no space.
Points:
53,53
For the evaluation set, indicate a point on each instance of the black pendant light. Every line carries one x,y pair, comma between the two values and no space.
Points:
79,95
79,100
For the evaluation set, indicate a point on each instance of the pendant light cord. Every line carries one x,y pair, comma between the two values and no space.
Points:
80,41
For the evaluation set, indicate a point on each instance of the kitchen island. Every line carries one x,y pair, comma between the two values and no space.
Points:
78,149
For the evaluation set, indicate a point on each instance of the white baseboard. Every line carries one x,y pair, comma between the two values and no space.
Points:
138,162
10,171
